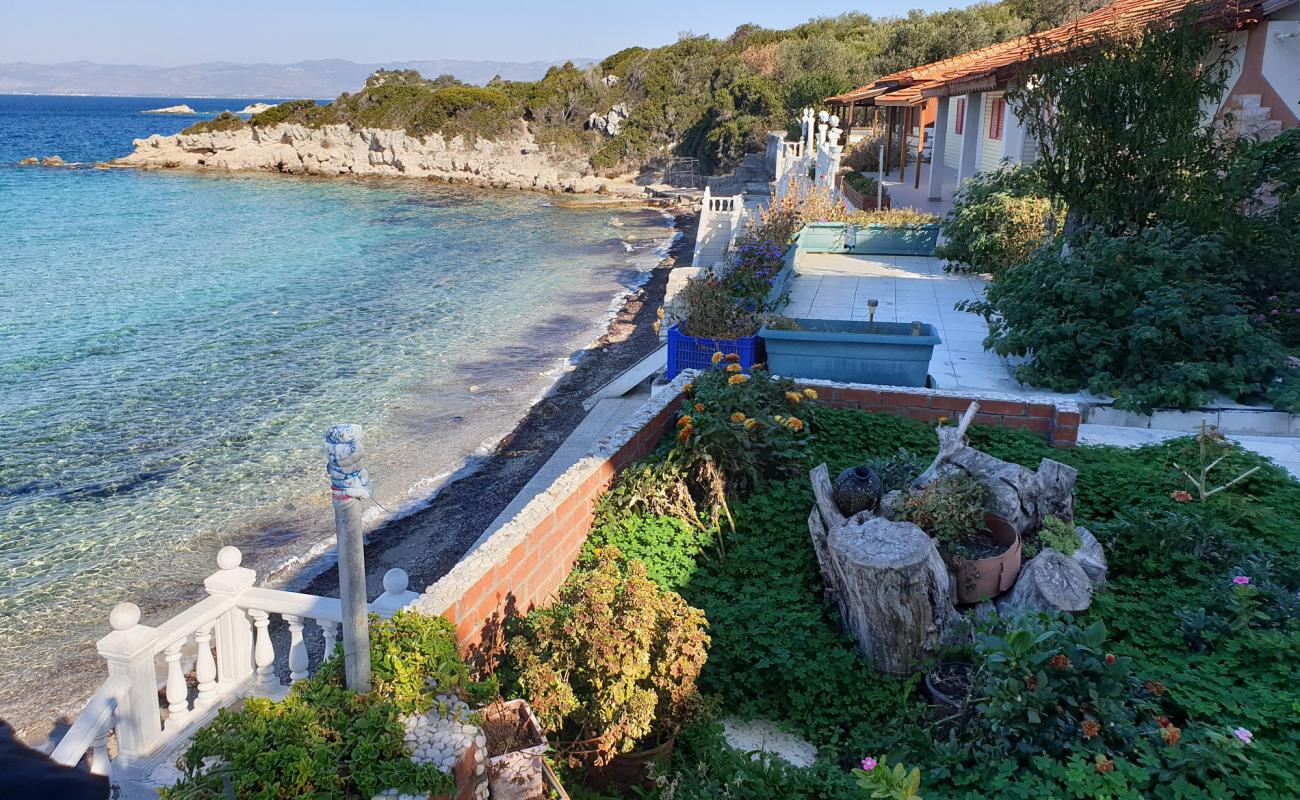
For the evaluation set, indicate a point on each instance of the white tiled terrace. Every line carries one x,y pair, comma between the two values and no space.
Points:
908,288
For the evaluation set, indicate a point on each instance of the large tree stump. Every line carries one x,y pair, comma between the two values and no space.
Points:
893,591
1051,581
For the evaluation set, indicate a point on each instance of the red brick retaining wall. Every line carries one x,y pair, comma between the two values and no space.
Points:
521,565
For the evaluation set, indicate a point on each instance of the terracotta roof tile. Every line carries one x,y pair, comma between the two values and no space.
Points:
989,66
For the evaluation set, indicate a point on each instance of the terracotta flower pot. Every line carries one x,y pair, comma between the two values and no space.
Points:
625,770
517,773
985,578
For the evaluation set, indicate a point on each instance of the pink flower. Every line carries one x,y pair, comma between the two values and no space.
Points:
869,763
1244,735
1272,297
1274,312
1241,580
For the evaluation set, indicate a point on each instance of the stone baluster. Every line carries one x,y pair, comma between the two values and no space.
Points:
205,667
178,694
233,633
263,654
297,648
330,630
129,651
99,763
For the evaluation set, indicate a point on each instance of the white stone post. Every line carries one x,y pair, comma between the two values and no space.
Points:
939,148
349,484
129,651
178,703
234,635
971,135
395,596
297,648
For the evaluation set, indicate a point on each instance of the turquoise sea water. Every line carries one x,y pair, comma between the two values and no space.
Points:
173,346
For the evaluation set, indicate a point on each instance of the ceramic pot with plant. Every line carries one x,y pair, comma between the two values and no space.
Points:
949,682
610,670
981,549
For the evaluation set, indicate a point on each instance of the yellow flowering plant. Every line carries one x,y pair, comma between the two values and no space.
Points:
746,426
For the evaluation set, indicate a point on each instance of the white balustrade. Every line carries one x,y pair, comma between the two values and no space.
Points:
233,657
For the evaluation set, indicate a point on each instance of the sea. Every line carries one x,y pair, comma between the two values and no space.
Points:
174,346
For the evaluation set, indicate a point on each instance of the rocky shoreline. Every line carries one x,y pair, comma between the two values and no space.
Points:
516,162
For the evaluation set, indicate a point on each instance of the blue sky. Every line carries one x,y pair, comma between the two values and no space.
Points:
185,32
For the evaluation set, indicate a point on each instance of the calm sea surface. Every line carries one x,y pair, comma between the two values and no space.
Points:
173,347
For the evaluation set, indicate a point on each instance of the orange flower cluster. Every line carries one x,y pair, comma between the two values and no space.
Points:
1156,688
737,378
699,407
1171,734
750,424
717,358
1059,661
733,368
1091,728
794,397
738,417
811,394
1031,683
1104,765
795,424
732,358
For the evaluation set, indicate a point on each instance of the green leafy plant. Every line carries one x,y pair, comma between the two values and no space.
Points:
225,121
882,782
613,663
1060,535
950,508
324,740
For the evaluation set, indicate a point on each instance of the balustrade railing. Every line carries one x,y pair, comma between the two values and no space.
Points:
720,218
233,656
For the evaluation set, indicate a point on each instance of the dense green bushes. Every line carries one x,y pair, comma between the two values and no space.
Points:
225,121
997,220
1141,317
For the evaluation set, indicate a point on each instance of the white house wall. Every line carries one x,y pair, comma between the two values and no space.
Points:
1281,65
952,145
990,149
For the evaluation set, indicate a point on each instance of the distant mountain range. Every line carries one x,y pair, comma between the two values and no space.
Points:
325,78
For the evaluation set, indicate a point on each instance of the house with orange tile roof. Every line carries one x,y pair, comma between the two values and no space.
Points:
954,113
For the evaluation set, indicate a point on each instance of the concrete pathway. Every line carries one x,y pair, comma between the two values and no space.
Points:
1281,450
835,286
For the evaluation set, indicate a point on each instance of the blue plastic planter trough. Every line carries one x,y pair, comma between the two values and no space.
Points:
689,352
886,240
884,353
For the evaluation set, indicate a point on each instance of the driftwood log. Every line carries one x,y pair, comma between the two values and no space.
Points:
892,588
1090,556
1051,581
1021,496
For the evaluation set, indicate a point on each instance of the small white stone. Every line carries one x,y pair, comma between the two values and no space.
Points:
480,740
478,769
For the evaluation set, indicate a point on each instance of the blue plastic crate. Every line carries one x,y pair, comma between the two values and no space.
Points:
689,352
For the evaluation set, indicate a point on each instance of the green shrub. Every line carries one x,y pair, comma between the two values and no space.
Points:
1136,317
289,111
225,121
326,741
996,221
613,663
949,508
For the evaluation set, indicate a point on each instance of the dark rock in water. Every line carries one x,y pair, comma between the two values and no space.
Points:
858,489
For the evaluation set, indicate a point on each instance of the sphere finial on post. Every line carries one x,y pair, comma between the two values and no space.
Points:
124,616
396,580
229,557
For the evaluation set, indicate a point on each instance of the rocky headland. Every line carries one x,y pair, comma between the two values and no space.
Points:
181,109
512,162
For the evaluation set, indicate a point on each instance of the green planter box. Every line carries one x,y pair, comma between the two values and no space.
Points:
884,353
891,240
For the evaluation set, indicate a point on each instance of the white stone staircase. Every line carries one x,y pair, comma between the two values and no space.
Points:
1250,119
720,220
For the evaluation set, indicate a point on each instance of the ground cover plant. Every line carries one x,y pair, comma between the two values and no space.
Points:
327,741
1180,681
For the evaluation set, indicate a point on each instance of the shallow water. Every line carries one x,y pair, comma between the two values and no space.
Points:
173,347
